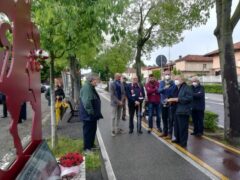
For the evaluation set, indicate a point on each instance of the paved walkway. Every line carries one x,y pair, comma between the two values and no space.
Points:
150,157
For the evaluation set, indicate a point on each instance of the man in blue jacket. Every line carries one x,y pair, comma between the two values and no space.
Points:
198,107
117,92
135,94
166,89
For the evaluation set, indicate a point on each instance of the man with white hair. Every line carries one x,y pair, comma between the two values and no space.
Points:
198,107
117,92
183,101
136,95
90,111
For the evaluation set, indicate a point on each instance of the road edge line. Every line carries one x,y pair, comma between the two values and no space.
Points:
107,162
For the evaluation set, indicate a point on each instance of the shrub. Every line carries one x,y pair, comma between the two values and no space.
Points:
213,88
210,121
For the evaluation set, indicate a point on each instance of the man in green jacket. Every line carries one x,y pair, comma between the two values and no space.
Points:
90,111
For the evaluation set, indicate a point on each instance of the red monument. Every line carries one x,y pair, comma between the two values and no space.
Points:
20,76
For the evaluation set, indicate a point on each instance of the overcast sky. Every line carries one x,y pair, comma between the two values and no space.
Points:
199,41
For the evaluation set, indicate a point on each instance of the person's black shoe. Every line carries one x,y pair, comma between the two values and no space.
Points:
194,134
175,141
183,145
130,131
124,119
199,135
140,132
4,117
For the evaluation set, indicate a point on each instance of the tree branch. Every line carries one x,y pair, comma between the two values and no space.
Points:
219,17
236,16
60,55
148,33
149,10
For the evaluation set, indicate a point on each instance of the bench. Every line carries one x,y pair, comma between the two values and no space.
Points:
73,111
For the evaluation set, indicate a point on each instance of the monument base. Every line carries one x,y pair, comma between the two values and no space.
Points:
41,165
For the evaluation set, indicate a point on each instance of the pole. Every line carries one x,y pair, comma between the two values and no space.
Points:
52,92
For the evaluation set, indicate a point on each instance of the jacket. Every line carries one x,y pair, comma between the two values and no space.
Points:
90,103
166,93
135,93
198,98
113,94
152,92
185,97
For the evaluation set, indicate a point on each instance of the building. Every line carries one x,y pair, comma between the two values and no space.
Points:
216,60
191,65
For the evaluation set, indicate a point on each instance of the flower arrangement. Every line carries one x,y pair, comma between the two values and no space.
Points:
70,164
71,159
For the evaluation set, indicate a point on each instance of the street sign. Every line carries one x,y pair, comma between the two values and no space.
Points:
161,60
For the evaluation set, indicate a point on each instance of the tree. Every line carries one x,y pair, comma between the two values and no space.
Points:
154,23
176,72
157,74
114,59
46,15
226,22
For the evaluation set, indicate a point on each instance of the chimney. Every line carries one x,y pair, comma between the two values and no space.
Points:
180,56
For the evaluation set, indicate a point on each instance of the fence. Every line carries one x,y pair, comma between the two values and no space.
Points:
213,79
67,85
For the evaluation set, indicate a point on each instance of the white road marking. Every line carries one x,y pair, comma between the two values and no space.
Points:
107,162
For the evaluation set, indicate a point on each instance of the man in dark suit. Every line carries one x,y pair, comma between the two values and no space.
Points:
198,107
135,94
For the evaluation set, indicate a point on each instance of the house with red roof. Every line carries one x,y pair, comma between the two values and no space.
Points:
216,70
192,65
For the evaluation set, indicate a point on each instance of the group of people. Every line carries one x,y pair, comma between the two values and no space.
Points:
172,101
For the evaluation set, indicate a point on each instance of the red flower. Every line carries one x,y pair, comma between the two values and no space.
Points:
71,159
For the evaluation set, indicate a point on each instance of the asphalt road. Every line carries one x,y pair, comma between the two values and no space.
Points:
140,157
214,103
7,150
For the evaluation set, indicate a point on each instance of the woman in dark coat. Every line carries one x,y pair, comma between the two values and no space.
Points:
183,110
90,111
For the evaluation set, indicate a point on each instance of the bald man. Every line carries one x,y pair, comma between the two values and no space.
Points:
117,92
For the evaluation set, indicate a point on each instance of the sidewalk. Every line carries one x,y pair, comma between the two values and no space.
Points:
150,157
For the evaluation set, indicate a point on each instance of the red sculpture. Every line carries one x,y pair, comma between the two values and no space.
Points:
20,76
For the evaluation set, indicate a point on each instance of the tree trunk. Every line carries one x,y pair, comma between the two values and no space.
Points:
138,63
75,78
52,96
231,93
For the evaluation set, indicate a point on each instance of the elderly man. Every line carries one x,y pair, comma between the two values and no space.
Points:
198,107
136,95
183,111
166,89
117,99
90,111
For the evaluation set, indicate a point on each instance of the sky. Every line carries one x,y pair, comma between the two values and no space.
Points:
198,41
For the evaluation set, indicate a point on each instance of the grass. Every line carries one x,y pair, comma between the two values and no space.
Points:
66,145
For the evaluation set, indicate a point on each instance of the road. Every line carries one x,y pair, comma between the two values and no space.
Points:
7,150
135,157
214,103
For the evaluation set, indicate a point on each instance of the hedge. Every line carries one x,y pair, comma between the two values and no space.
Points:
210,121
213,88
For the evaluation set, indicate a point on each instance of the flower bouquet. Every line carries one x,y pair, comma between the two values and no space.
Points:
70,164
